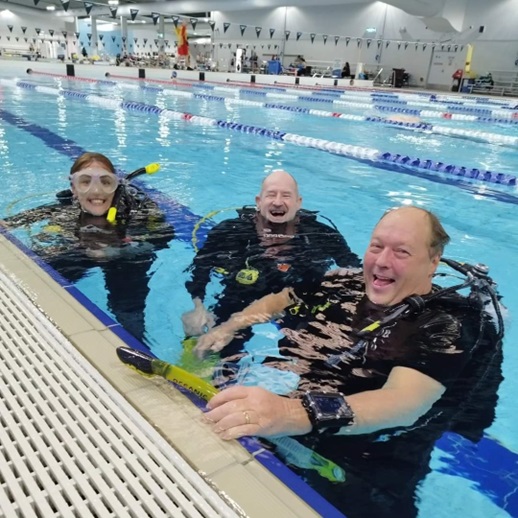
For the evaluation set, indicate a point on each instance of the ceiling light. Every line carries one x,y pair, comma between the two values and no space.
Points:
113,2
51,7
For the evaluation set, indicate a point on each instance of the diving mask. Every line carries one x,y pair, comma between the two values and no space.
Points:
88,179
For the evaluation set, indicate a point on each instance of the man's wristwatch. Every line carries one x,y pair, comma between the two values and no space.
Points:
327,409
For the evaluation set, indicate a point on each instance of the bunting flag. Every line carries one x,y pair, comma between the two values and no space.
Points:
166,42
442,48
226,25
65,4
271,33
433,46
455,48
220,45
24,29
449,48
324,37
230,45
424,46
101,37
336,40
258,31
387,43
38,31
369,41
312,37
155,17
398,45
461,48
156,42
135,40
347,40
113,11
36,2
145,41
113,39
51,32
406,44
64,34
175,20
380,43
26,39
287,35
76,34
243,29
124,39
299,34
194,22
358,42
8,38
416,46
17,39
212,24
10,27
34,40
275,46
88,7
133,14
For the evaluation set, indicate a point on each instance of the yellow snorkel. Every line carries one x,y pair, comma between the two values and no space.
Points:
299,455
152,168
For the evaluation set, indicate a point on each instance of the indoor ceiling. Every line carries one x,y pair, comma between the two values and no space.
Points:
198,8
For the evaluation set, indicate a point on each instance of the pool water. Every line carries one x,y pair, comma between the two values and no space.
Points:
205,168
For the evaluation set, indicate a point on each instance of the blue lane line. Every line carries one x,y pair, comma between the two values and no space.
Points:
488,463
183,221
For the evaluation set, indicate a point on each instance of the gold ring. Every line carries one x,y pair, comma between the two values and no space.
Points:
247,417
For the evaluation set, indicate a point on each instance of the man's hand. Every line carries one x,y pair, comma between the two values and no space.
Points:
197,321
214,340
239,411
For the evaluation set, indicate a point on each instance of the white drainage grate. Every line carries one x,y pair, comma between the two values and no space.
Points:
71,446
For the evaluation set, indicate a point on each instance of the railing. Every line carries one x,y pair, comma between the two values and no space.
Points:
505,83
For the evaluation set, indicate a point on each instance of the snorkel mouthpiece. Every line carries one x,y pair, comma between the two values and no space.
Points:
152,168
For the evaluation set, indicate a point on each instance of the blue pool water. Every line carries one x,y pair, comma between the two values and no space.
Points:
205,168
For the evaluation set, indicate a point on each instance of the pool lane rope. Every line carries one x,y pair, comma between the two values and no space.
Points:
355,152
471,115
418,127
467,114
480,136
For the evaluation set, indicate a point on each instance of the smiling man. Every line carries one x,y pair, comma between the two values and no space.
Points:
266,248
385,361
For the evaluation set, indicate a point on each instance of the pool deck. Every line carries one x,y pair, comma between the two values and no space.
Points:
235,474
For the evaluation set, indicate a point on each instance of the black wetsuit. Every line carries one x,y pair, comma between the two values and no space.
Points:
451,340
73,243
235,246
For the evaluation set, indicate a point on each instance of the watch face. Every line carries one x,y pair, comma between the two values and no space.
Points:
328,405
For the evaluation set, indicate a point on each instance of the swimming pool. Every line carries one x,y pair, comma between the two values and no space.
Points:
202,163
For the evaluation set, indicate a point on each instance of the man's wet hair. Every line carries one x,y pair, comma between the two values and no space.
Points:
439,236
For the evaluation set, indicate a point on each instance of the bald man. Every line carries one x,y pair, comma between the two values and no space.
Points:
266,248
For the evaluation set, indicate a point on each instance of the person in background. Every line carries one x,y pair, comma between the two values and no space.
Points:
386,360
101,222
346,71
267,247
